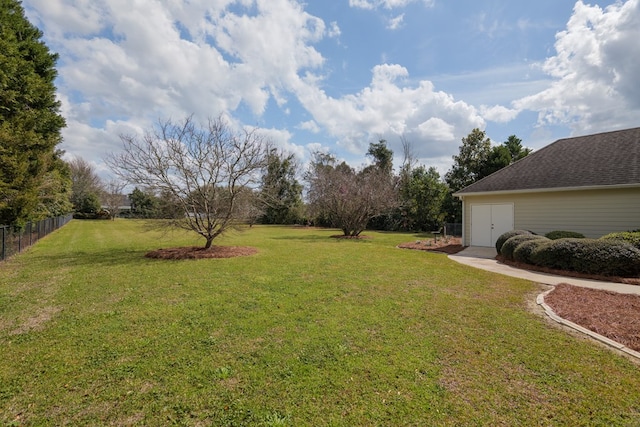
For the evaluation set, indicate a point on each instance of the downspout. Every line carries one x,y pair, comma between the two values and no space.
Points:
464,227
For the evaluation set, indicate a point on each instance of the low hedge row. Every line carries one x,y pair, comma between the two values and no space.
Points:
609,257
592,256
524,250
98,215
562,234
506,236
632,237
512,243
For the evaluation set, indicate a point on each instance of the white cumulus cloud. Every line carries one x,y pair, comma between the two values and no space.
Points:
498,113
387,4
124,65
390,108
595,71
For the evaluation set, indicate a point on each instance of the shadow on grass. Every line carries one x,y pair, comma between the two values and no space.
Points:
106,257
429,235
336,237
310,238
408,234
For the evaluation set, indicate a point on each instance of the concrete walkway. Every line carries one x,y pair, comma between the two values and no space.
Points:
484,258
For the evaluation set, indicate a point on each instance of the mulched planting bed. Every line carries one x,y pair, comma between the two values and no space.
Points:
450,245
611,314
197,252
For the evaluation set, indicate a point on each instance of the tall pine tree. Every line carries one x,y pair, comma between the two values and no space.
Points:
30,122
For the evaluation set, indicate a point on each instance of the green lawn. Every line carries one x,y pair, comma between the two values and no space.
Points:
310,331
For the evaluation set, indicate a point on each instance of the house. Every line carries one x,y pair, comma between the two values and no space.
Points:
589,184
122,200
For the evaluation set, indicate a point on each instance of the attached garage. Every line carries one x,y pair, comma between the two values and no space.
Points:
588,184
489,221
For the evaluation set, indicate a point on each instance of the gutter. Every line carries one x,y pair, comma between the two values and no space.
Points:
461,195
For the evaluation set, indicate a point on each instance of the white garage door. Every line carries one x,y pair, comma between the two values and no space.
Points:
488,222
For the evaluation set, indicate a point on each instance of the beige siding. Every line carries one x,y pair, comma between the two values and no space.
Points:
593,213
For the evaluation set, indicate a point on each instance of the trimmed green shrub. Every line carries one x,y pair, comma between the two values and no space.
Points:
591,256
103,214
632,237
524,250
513,242
561,234
506,236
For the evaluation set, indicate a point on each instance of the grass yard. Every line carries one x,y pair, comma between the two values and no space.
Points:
311,331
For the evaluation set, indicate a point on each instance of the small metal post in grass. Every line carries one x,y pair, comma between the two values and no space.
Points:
4,243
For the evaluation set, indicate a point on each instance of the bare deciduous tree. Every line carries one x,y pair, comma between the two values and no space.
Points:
348,199
204,169
113,198
281,193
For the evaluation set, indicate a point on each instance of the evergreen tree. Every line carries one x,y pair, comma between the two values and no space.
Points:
423,194
144,204
476,160
30,122
55,193
503,155
382,156
470,164
281,193
516,150
89,204
84,182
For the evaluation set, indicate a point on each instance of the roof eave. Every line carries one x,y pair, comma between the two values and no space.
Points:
547,190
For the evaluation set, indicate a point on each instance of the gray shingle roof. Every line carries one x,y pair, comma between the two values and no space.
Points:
611,158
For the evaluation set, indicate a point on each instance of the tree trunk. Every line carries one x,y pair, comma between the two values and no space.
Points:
209,242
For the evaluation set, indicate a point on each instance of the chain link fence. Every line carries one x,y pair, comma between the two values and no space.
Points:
453,229
13,240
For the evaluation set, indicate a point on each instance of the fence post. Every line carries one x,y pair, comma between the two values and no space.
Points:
42,228
4,243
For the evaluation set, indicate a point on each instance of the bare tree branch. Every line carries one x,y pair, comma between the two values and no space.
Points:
203,169
347,198
113,197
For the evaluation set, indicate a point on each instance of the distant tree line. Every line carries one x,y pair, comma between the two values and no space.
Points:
269,189
334,194
417,198
209,178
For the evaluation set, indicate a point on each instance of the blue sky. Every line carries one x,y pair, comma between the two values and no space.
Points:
337,75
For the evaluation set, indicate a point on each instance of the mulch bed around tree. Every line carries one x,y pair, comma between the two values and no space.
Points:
611,314
197,252
449,245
